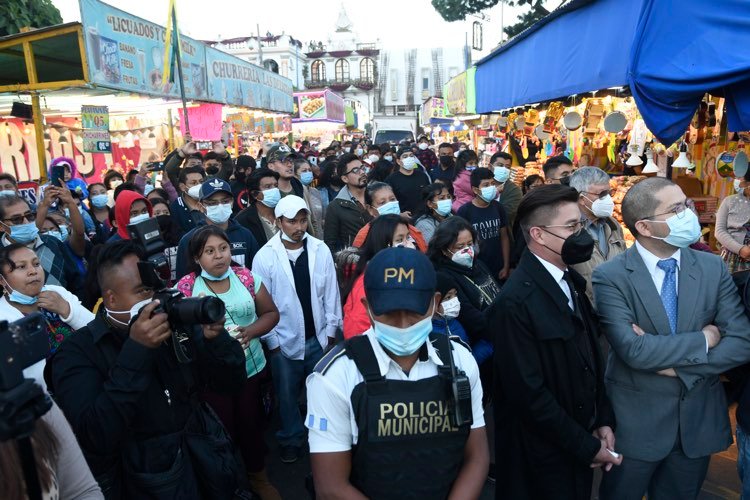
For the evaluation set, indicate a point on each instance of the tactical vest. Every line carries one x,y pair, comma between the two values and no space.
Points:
407,445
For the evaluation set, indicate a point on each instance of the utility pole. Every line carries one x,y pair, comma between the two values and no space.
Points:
260,47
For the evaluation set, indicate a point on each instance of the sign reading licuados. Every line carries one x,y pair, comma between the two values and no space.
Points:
126,52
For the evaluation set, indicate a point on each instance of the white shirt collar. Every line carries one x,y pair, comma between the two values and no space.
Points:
384,361
556,272
652,260
36,243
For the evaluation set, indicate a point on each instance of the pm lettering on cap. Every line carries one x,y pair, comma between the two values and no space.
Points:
398,273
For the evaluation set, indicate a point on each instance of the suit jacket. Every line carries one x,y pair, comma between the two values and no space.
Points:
652,408
549,394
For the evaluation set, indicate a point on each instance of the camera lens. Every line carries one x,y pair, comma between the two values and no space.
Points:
197,310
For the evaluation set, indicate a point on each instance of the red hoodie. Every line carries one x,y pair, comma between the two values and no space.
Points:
122,211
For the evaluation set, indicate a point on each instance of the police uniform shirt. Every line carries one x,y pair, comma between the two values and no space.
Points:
330,416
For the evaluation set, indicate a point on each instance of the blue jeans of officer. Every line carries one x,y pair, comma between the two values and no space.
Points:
288,379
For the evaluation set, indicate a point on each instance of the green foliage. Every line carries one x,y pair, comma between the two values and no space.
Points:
526,19
457,10
16,14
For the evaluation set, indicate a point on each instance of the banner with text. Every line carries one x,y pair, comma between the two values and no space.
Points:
240,83
95,123
126,52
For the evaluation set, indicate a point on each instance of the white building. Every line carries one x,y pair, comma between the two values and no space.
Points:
346,65
282,54
409,76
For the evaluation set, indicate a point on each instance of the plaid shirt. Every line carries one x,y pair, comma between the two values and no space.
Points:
59,267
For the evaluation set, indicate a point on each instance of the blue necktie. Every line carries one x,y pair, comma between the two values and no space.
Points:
669,291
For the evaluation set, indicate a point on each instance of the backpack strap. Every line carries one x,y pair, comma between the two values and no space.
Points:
360,351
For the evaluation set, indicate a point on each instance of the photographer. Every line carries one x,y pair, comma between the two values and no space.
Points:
132,406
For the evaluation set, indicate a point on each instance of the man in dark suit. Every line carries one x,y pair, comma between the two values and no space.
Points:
553,419
674,321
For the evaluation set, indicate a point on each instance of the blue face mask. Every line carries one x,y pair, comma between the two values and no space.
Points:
271,197
147,189
392,207
444,207
502,174
139,218
24,233
18,297
211,277
7,192
61,235
99,200
488,193
684,229
402,341
306,178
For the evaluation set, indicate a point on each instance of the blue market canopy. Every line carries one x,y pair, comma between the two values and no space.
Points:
581,47
683,49
669,52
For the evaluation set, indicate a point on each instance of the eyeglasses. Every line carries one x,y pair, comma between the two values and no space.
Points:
602,194
574,228
678,211
20,219
356,170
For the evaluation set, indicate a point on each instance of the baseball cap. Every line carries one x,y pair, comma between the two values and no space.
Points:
289,206
278,152
213,185
399,279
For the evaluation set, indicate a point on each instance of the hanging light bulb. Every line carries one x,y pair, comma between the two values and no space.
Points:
635,157
682,160
46,135
63,139
456,122
466,127
651,167
452,128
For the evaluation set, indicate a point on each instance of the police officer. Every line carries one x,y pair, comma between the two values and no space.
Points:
382,416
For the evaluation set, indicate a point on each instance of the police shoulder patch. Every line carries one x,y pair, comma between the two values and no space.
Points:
327,361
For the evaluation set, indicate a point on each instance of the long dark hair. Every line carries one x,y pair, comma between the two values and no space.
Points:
46,447
379,237
428,193
198,243
446,235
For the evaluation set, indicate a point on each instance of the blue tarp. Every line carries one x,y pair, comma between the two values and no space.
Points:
583,47
683,49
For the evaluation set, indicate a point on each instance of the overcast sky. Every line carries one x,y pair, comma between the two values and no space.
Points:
397,23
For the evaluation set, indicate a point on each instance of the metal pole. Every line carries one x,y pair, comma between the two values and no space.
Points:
171,130
260,47
39,136
179,72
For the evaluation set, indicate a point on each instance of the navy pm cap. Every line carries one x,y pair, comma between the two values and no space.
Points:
213,185
399,279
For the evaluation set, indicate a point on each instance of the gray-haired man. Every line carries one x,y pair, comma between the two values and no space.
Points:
597,206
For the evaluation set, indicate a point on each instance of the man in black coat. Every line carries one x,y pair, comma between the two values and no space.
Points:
553,418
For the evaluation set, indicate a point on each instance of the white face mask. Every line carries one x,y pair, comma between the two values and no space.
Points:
359,151
373,158
388,158
195,192
139,218
603,207
422,146
133,312
451,308
410,163
219,214
737,187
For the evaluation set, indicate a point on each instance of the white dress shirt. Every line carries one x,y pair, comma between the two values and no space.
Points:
557,275
656,273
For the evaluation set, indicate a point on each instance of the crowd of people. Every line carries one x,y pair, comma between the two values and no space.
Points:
380,299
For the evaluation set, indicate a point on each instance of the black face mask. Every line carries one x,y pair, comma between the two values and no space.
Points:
239,176
447,161
576,249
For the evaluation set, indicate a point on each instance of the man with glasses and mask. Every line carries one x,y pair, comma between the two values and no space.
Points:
346,214
675,323
557,170
554,421
597,207
18,225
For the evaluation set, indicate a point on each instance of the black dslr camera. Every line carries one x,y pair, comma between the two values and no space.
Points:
183,312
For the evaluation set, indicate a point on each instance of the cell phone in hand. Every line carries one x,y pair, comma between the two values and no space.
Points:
204,145
57,175
155,166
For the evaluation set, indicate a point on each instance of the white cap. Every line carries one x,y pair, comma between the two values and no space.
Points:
289,206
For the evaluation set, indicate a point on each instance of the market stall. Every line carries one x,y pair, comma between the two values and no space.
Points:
319,116
112,62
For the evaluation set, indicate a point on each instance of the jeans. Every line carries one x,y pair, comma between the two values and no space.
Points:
288,380
743,461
